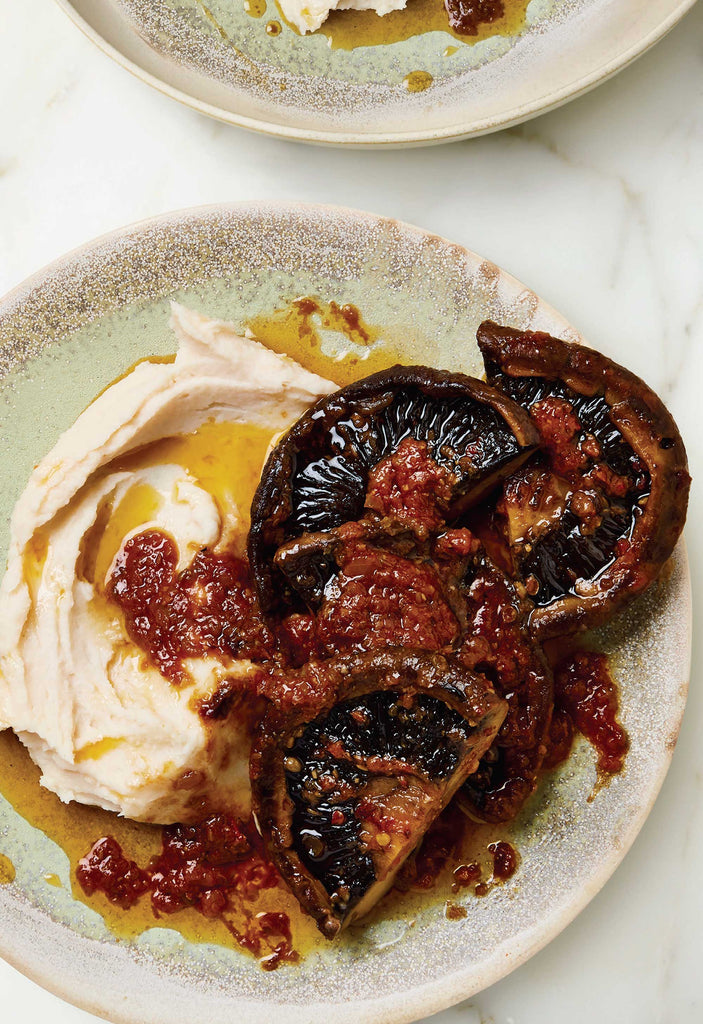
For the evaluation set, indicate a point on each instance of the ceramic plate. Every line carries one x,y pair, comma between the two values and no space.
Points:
223,61
77,325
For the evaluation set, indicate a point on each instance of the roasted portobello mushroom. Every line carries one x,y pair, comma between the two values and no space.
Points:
458,435
414,538
590,523
355,759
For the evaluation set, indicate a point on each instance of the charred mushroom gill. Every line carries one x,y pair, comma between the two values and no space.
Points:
590,523
467,435
348,773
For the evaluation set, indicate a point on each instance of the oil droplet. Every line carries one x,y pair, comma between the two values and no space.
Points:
418,81
255,8
7,870
450,50
273,28
53,880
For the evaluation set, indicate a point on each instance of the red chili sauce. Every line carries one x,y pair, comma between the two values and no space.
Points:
586,692
381,598
467,16
505,860
205,867
578,458
410,487
209,606
442,843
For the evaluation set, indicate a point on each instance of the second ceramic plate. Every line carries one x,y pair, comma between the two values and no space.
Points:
363,80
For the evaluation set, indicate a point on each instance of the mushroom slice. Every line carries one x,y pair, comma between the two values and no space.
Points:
356,758
410,443
591,523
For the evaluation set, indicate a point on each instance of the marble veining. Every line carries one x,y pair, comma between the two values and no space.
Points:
597,207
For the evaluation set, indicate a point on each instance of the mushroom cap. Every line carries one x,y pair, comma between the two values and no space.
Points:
316,477
638,445
348,775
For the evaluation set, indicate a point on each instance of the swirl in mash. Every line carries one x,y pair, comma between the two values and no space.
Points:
103,724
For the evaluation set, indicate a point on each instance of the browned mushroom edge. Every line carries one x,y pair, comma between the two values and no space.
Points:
645,425
411,675
315,479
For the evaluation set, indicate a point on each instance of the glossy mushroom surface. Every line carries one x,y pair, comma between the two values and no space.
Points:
418,535
353,764
361,451
590,523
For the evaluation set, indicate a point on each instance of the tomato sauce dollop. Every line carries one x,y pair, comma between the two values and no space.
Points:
382,599
585,689
410,487
209,606
207,867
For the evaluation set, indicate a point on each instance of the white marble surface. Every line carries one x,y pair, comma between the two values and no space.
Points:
597,207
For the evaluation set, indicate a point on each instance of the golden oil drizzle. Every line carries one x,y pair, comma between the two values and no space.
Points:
450,51
140,504
255,8
273,28
53,880
75,827
226,458
296,331
418,81
347,30
7,870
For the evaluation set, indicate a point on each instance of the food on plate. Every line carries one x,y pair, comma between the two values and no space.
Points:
307,16
497,642
106,724
590,523
373,585
354,765
411,444
302,626
403,455
467,19
465,16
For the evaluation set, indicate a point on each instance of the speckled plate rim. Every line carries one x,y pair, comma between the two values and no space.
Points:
472,129
439,994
